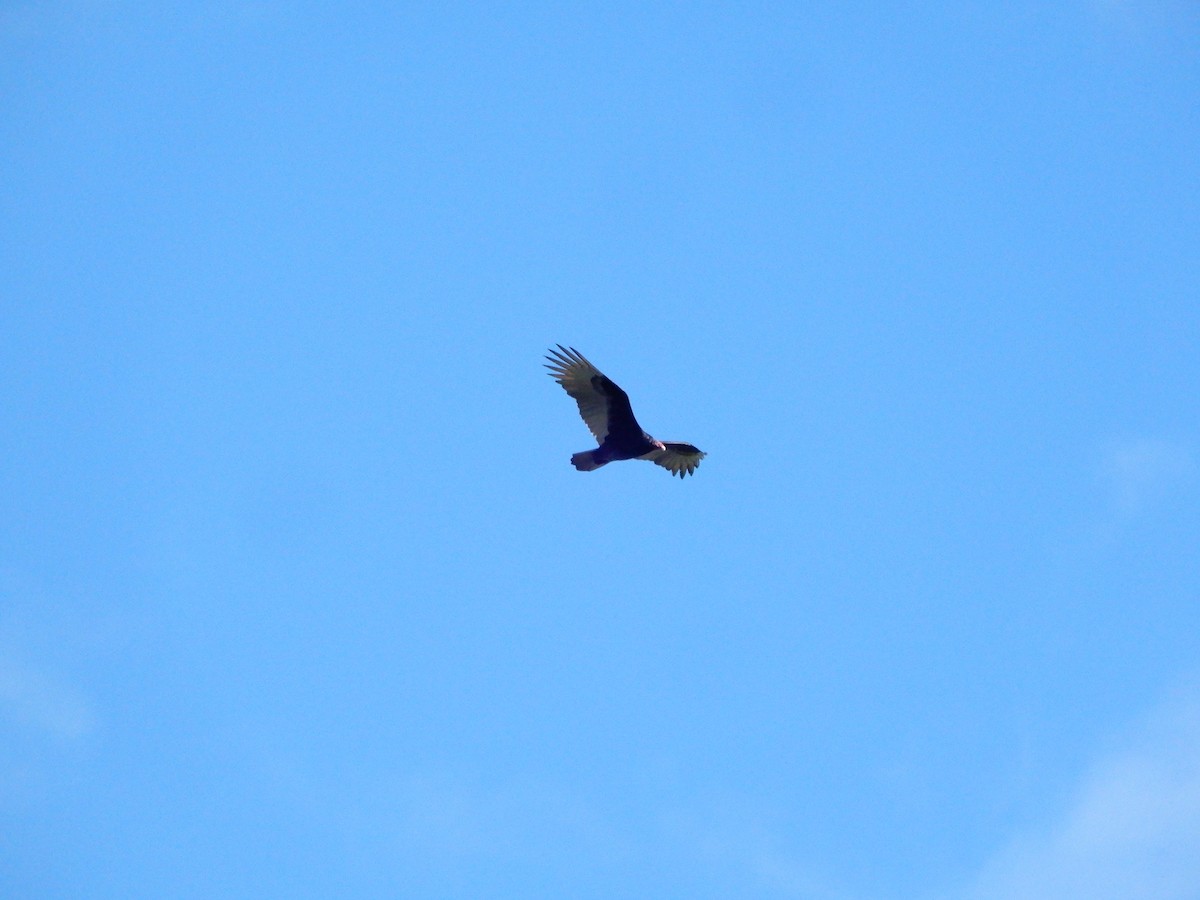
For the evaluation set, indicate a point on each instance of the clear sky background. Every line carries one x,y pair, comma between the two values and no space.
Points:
300,596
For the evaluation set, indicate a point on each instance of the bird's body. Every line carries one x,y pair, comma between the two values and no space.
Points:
606,412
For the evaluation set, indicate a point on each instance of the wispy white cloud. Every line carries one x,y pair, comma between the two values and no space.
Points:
456,817
35,699
738,837
1143,471
438,825
448,820
1132,830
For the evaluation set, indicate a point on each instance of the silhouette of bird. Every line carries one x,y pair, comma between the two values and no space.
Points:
606,412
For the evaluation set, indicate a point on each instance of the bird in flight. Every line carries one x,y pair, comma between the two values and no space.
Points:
606,412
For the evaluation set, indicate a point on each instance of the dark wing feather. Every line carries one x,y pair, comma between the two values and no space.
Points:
588,387
622,426
680,459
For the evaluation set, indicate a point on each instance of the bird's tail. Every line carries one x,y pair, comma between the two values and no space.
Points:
586,461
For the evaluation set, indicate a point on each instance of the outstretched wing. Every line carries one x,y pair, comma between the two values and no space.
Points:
681,459
603,406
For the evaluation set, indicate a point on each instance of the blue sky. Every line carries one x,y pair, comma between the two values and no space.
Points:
300,596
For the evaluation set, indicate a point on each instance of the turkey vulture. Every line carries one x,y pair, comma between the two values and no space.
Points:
606,411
